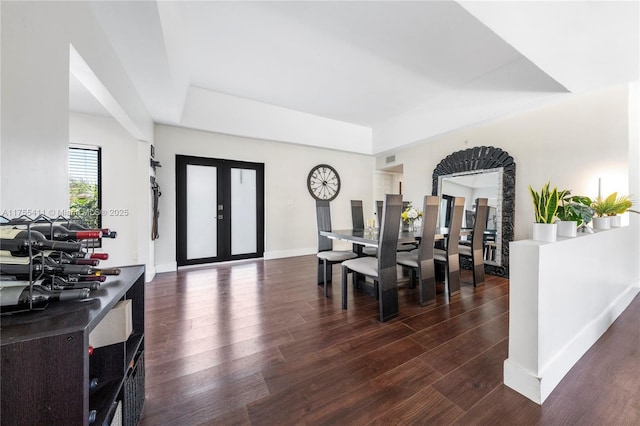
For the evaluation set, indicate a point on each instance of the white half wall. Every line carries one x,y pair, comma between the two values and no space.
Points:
290,218
562,297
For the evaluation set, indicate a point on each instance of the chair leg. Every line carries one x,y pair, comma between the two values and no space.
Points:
345,274
413,278
324,264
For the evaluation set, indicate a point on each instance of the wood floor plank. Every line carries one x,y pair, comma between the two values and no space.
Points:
471,382
455,352
361,405
282,375
427,407
444,331
289,406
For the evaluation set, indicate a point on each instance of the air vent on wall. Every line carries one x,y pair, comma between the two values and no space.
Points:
391,159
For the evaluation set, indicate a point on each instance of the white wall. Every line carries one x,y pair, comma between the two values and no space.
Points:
290,220
571,143
123,191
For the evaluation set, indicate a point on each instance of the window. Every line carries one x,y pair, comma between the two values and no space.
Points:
85,200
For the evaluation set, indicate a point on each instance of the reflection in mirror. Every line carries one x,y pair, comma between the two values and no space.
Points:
461,168
472,185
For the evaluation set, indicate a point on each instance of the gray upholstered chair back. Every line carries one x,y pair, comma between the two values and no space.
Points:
455,226
389,230
480,224
430,207
357,214
323,215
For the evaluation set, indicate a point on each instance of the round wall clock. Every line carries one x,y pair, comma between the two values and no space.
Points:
323,182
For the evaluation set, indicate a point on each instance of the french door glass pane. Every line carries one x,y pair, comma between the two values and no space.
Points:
243,211
202,233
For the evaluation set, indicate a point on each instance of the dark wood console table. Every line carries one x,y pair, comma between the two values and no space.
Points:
46,367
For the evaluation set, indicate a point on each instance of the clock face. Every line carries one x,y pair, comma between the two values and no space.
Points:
323,182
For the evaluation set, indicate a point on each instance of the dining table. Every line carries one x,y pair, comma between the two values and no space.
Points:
369,238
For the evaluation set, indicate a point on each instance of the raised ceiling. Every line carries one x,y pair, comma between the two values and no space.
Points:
406,71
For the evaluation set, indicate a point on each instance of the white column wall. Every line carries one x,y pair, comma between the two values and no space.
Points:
35,135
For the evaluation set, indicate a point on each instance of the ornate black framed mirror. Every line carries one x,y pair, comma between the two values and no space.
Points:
484,169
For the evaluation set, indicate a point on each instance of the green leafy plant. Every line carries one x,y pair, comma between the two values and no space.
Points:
622,204
83,202
611,205
545,203
576,208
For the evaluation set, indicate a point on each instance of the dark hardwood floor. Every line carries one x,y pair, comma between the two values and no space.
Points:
256,343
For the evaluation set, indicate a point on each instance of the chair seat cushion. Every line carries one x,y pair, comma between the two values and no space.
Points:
364,265
336,255
405,247
406,258
370,251
439,254
464,250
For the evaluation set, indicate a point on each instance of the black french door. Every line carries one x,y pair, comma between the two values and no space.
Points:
219,210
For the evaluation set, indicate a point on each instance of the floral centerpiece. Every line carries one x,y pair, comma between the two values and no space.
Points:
410,215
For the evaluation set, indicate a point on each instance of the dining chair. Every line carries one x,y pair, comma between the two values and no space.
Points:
420,261
357,214
450,255
476,250
383,268
371,251
327,256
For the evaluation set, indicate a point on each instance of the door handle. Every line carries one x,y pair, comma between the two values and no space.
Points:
219,217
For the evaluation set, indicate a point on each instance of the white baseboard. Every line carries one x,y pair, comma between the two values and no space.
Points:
167,267
279,254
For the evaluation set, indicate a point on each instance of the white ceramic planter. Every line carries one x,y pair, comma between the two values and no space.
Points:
567,228
616,221
545,232
602,222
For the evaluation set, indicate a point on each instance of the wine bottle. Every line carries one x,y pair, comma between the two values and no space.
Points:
60,233
85,278
71,282
87,255
19,240
17,296
41,265
106,232
62,257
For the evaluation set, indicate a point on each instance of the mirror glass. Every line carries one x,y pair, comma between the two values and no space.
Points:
486,183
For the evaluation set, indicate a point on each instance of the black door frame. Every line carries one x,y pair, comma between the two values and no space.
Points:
224,167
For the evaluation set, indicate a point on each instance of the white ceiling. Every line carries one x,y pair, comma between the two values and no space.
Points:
370,63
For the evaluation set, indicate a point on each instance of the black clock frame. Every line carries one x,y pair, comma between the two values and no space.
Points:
337,177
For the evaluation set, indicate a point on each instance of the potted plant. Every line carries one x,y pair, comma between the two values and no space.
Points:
621,205
573,212
545,207
606,208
